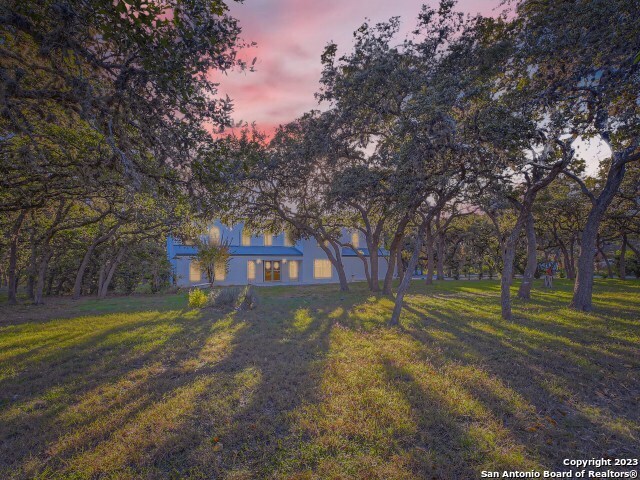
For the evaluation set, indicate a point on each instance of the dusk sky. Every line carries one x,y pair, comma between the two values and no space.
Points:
290,37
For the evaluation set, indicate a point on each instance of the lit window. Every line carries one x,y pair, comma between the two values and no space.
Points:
246,239
195,275
321,268
221,272
268,240
214,235
287,240
355,239
293,270
251,270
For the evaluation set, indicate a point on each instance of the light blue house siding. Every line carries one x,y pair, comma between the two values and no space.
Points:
269,264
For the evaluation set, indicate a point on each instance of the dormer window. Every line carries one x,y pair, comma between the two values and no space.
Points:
214,235
246,239
268,239
355,239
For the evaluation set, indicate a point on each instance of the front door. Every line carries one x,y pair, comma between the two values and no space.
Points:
271,271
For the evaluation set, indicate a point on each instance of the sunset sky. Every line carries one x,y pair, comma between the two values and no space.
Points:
290,37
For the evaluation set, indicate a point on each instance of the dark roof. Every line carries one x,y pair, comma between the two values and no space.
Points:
275,251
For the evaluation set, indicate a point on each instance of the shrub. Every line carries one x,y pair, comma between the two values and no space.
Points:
143,289
249,299
197,298
225,297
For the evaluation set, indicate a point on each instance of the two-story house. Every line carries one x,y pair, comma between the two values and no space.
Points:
269,259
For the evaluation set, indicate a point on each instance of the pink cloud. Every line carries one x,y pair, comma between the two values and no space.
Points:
290,37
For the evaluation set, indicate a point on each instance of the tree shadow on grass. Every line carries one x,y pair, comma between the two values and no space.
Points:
582,396
43,402
213,398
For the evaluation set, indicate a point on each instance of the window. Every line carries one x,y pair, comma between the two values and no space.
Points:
355,239
294,270
268,240
214,235
321,268
220,271
195,275
251,270
246,238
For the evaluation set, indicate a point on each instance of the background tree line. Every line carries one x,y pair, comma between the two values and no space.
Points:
453,148
105,108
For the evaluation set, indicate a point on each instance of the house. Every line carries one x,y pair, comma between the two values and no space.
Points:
269,259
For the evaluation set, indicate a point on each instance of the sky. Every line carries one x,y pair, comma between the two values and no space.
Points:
290,37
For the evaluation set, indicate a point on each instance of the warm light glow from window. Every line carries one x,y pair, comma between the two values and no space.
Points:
214,235
268,240
251,270
355,239
293,270
321,268
221,272
287,240
195,275
246,239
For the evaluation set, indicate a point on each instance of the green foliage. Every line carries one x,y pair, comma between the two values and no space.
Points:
197,298
249,298
213,259
225,297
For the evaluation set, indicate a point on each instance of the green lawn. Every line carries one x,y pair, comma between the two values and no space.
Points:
313,384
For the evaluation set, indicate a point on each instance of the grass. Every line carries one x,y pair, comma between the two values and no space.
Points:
313,384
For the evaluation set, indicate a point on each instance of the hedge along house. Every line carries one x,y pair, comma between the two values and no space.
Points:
268,259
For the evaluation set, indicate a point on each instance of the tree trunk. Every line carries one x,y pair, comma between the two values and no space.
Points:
40,277
336,261
622,267
584,279
583,287
400,262
396,246
566,258
532,260
430,256
31,270
440,254
508,258
509,255
13,260
13,279
373,260
342,276
606,260
365,265
110,270
77,285
391,267
406,278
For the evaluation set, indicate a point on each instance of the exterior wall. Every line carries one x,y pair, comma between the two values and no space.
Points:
180,256
354,268
311,251
238,271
